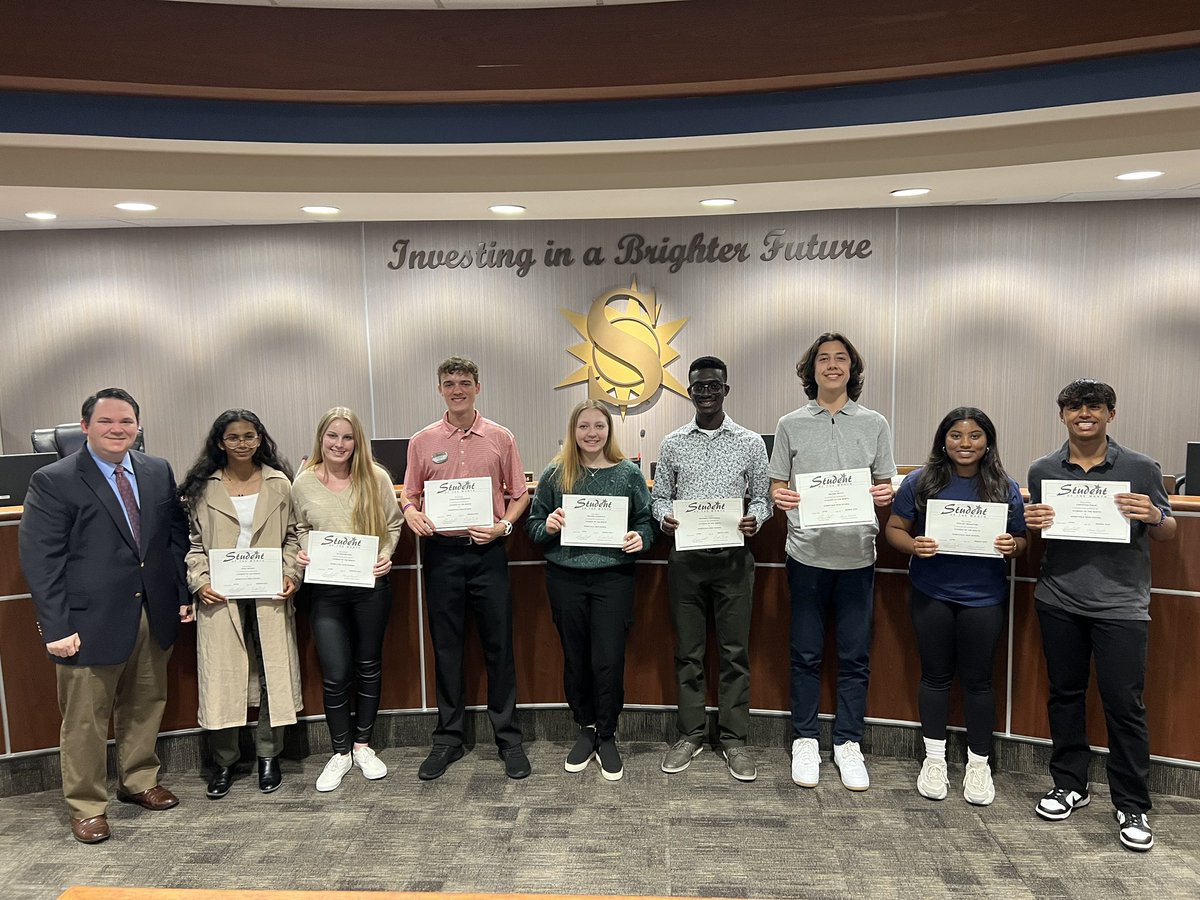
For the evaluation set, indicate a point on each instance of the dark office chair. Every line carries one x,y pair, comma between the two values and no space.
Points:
67,438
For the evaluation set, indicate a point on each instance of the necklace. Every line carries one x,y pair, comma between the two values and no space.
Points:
239,488
591,472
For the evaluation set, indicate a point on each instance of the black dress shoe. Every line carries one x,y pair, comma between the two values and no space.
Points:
269,775
218,785
439,759
516,763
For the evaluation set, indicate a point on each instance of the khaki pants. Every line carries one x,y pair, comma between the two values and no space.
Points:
133,695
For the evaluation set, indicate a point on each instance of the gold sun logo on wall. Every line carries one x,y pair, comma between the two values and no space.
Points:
625,351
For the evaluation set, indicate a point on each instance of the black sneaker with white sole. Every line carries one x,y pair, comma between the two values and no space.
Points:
1060,803
610,759
1135,831
583,751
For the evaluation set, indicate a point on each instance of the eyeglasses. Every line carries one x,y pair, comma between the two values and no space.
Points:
232,440
703,388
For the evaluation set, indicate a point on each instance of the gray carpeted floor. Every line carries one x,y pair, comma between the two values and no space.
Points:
695,833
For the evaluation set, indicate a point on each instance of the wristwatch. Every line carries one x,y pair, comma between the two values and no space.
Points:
507,526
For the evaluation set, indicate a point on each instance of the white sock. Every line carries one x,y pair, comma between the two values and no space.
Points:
974,759
935,749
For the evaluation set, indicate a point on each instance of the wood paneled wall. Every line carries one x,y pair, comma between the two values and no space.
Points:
1172,682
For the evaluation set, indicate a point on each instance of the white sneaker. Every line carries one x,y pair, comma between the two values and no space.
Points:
849,760
372,766
335,770
806,762
932,783
977,785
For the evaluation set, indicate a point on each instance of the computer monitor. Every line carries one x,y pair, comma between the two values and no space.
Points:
15,471
392,454
1192,471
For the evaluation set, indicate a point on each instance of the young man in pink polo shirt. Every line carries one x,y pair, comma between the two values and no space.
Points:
468,568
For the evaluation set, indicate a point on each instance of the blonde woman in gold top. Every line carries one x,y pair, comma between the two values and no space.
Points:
341,489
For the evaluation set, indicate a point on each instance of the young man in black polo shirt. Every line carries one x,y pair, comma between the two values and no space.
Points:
1093,600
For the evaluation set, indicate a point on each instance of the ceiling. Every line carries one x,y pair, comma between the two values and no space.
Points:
425,4
81,131
685,49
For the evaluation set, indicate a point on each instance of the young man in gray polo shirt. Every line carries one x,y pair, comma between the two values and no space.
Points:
831,567
1093,601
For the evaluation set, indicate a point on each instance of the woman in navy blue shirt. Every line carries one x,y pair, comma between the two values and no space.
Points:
957,601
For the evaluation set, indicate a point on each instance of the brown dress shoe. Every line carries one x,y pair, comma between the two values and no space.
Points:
156,798
92,830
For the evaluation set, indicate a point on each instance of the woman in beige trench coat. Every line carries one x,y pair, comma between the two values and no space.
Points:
238,493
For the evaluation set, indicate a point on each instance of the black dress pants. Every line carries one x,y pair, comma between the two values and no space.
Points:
462,577
593,611
1119,646
719,583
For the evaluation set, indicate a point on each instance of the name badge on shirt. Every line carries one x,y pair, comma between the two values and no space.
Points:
440,457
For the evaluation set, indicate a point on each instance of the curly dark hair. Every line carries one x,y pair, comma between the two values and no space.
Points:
1087,392
212,455
806,368
458,365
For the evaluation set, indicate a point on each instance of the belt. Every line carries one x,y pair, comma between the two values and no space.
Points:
712,551
443,540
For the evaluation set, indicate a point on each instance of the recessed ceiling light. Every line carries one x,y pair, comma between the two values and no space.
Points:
507,209
718,201
321,210
1138,176
136,207
910,192
42,216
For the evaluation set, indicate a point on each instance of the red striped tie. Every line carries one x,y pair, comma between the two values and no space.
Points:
125,489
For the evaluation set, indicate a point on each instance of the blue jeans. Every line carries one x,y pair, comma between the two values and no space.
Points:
850,592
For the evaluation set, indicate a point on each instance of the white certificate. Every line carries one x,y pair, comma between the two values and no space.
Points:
965,527
459,503
829,499
590,520
344,559
707,524
1086,511
246,574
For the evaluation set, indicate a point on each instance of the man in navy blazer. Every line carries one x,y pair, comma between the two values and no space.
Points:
102,542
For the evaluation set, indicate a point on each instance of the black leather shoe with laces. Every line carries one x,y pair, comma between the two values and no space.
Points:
438,761
516,763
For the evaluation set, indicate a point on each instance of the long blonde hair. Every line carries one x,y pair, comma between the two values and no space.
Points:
570,469
367,515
